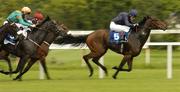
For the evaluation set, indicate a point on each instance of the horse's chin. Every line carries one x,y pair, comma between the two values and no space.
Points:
164,29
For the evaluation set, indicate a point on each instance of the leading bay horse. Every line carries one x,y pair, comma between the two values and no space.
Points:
98,43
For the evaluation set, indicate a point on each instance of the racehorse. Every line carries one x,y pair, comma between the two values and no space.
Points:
42,51
98,43
27,48
40,54
4,56
7,29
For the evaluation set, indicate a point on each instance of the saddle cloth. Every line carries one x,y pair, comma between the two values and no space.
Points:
9,39
118,37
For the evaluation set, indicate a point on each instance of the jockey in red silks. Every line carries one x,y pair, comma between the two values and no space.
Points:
38,17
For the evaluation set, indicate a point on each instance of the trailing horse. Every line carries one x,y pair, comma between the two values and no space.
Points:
7,29
27,48
98,43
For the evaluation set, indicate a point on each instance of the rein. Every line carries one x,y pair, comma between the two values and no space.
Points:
34,42
46,43
39,45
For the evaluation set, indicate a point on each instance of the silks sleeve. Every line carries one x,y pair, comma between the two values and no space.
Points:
21,21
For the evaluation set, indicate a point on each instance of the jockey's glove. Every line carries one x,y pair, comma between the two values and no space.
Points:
136,24
33,25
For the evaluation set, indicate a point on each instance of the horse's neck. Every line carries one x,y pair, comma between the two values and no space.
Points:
143,35
50,38
38,36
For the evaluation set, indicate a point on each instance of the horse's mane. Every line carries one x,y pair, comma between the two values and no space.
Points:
142,22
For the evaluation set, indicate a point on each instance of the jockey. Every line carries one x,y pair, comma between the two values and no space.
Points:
124,21
38,17
18,18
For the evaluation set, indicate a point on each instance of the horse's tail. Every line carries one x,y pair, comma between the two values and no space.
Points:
71,39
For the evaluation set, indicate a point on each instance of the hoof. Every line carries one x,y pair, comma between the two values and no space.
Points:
106,74
18,79
114,77
14,78
115,67
90,75
48,78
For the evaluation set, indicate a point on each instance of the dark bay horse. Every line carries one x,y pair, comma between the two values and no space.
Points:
7,29
98,43
41,52
27,48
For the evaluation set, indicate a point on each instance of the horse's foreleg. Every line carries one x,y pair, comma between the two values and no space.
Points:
29,65
129,62
43,63
17,68
9,65
123,62
20,66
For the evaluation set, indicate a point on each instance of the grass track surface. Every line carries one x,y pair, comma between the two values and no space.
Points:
68,75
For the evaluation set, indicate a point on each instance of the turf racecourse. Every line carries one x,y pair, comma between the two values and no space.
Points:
68,75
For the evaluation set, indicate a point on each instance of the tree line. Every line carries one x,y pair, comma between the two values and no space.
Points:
95,14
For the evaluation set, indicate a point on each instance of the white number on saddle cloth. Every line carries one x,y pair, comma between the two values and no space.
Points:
116,36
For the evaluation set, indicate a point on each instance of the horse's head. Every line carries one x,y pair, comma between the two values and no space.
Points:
53,26
154,23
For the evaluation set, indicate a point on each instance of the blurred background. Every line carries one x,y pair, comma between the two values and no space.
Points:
95,14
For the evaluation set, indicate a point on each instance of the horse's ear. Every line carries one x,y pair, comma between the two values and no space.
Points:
148,17
47,18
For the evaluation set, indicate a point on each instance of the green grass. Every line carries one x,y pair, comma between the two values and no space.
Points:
68,75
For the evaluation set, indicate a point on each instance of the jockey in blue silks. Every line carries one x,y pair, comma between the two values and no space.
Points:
124,21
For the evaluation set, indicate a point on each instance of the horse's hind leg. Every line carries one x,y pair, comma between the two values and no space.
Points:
96,61
97,56
9,65
86,59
